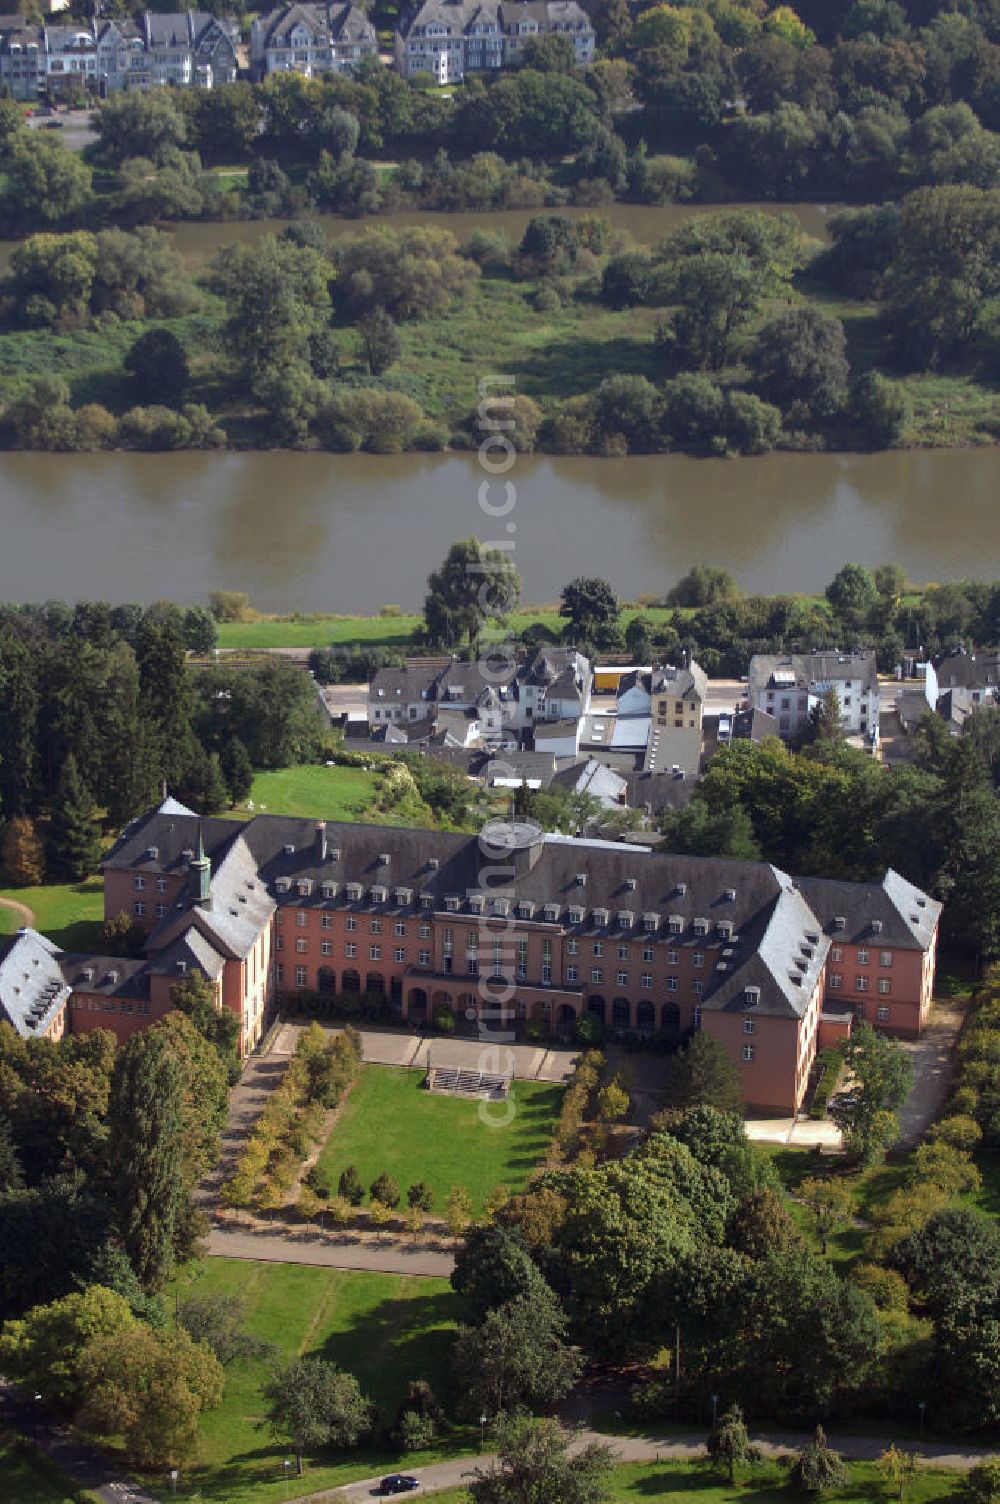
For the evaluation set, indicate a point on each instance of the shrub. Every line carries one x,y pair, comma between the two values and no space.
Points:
385,1190
350,1187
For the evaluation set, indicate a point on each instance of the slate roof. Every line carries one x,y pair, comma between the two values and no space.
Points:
754,725
961,670
592,777
807,669
106,976
32,986
763,928
342,23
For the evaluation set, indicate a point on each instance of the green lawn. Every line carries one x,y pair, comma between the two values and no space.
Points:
767,1484
30,1481
380,631
71,914
390,1122
384,1328
312,791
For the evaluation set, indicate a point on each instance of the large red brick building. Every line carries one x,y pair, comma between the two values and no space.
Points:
503,928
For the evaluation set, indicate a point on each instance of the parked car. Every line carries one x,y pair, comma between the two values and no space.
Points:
399,1483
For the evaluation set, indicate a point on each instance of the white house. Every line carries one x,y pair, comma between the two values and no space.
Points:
788,685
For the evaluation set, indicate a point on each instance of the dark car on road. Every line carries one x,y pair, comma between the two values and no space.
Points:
399,1483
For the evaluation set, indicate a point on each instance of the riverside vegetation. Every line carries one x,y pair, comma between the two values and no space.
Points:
733,335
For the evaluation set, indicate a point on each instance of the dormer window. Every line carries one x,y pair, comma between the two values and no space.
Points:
501,906
427,900
283,885
675,924
751,997
152,852
355,892
525,909
289,850
626,919
631,884
876,926
476,903
304,887
575,914
730,895
725,930
333,854
329,890
701,927
403,896
379,894
651,923
601,918
581,879
840,923
680,889
452,903
551,912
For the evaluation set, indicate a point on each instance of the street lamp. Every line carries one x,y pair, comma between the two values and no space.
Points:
174,1475
482,1432
715,1409
285,1466
921,1406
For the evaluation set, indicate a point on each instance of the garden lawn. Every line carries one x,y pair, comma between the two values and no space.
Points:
384,1328
312,791
71,914
766,1484
391,1122
27,1480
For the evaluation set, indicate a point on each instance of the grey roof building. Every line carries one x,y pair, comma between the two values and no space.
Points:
788,685
449,38
311,40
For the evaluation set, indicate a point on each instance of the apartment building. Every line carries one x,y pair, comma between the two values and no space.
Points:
449,38
311,40
187,49
788,685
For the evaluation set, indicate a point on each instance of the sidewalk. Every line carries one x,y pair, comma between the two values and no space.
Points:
387,1255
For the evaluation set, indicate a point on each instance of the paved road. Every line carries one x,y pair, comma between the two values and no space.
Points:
389,1255
86,1466
933,1056
664,1448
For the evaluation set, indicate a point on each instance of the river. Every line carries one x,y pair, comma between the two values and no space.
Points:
199,240
353,532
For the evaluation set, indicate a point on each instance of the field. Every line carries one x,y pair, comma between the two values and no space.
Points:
313,792
383,631
69,913
384,1328
29,1482
693,1483
438,1139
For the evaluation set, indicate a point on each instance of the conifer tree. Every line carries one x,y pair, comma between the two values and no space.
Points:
146,1154
237,769
75,832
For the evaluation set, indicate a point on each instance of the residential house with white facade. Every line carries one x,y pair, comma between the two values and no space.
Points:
311,40
788,685
449,38
187,49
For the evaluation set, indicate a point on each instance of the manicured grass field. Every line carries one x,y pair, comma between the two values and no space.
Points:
766,1484
391,1122
384,1328
312,791
25,1481
69,913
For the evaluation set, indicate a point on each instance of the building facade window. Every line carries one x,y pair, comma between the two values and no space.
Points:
885,958
861,984
300,919
749,1026
374,952
301,976
571,973
597,975
748,1052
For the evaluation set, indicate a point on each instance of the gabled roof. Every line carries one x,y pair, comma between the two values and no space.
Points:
803,670
32,986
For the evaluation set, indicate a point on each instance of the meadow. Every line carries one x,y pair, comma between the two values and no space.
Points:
391,1122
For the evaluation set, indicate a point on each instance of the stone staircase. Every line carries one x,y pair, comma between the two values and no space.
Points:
465,1083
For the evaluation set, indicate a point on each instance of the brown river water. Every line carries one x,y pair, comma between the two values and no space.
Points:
352,532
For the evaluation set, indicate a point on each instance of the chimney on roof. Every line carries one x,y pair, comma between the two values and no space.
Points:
321,840
201,874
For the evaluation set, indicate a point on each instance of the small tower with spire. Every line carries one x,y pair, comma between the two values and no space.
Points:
201,873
